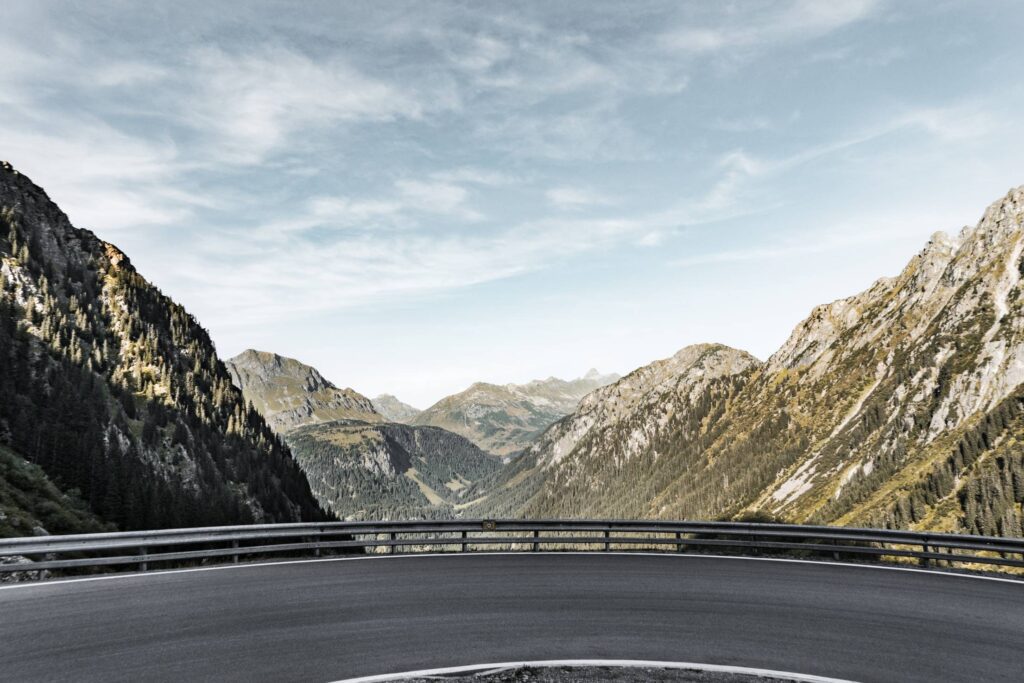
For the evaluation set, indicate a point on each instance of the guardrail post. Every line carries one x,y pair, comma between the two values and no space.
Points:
536,545
319,538
143,565
315,542
392,548
607,545
680,548
465,545
925,562
234,544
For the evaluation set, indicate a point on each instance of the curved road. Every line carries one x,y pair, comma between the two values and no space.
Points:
329,620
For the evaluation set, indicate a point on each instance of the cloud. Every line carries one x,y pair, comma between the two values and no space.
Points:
594,132
476,176
271,278
127,74
951,124
436,197
743,124
104,178
479,53
800,20
257,101
567,197
869,228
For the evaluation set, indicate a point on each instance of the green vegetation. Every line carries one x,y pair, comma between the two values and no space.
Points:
29,502
371,471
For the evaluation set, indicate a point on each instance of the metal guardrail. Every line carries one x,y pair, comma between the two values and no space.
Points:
143,549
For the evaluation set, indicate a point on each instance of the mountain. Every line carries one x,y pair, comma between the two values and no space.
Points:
116,394
389,471
288,393
394,410
358,465
901,406
624,443
504,419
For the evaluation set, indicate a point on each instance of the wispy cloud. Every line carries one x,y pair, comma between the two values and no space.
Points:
872,228
476,176
111,180
800,20
257,101
569,197
352,155
437,197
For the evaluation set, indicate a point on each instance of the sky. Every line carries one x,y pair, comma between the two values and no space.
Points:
413,196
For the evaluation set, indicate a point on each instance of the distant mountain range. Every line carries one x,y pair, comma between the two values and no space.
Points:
902,406
115,395
359,465
504,419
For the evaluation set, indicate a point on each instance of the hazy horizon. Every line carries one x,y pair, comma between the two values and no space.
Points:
415,196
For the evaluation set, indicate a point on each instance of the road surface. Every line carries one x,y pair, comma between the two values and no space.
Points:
330,620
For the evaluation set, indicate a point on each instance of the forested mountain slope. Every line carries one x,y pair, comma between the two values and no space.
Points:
117,393
31,504
900,406
289,394
389,471
359,466
504,419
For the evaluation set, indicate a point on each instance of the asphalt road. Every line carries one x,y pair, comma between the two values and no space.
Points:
324,621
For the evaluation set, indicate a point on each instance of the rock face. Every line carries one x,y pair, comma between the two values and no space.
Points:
389,471
116,392
504,419
624,441
289,394
394,410
900,406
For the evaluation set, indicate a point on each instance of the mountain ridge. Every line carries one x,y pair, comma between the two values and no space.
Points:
504,418
116,392
899,406
289,393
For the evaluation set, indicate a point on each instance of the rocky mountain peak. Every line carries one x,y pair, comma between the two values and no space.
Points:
269,367
393,409
117,258
691,366
911,299
289,393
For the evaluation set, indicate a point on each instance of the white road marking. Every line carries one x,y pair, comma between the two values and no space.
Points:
623,663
